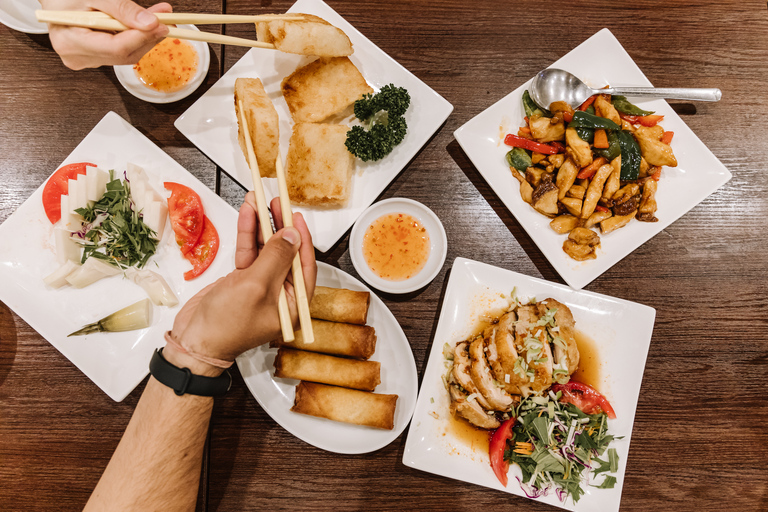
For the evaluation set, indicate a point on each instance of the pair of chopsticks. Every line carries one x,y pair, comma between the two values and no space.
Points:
97,20
302,302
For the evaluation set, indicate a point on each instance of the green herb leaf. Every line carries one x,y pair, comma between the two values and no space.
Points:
608,483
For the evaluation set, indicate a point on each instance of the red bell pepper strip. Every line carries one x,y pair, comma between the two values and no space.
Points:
584,106
520,142
649,121
567,117
601,208
667,138
496,450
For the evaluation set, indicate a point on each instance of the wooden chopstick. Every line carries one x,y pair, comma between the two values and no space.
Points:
302,301
86,20
286,325
173,18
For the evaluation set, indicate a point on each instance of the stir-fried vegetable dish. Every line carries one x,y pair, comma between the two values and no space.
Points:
598,165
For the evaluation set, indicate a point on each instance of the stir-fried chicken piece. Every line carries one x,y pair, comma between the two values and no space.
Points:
544,131
567,356
497,398
544,197
581,244
461,372
605,109
578,149
654,151
471,411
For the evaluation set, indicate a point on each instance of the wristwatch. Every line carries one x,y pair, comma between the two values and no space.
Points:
183,381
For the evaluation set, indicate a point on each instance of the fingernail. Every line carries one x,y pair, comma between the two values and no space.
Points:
145,18
291,235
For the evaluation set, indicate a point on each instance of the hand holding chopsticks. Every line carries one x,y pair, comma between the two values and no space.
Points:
97,20
302,300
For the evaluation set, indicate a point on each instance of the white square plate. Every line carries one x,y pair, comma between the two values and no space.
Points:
621,332
398,377
116,362
210,123
698,174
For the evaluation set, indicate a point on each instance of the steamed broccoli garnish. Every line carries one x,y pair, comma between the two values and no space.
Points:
383,114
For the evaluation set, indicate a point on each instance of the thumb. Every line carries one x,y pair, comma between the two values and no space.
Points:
275,259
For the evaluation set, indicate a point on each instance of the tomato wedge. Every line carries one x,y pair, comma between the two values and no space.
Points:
186,211
57,186
585,397
496,450
204,251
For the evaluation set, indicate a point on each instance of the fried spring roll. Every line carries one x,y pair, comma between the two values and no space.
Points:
340,305
350,340
347,405
337,371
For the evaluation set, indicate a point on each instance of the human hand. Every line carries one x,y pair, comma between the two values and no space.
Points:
239,311
85,48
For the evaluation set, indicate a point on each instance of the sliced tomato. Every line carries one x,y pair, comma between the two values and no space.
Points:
585,397
186,211
204,251
496,450
57,186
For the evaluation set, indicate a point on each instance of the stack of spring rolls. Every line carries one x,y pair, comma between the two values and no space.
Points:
337,379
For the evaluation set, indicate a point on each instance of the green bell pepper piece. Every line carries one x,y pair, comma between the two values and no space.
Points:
630,156
621,104
585,120
532,109
519,158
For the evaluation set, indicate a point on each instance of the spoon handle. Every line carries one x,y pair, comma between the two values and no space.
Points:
677,93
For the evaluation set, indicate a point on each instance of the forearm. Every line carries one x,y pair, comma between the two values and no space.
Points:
157,464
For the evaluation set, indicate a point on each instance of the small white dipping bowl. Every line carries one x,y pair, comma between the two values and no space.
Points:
127,76
437,240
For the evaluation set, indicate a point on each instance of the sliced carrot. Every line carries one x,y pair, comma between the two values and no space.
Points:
567,117
601,139
590,170
667,137
657,173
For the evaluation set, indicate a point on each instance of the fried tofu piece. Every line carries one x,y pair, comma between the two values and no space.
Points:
262,121
323,88
319,166
310,36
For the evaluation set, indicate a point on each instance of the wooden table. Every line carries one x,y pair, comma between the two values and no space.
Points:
700,437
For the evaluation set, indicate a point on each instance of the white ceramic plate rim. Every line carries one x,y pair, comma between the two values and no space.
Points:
437,238
398,376
620,329
115,362
128,79
20,15
211,125
698,174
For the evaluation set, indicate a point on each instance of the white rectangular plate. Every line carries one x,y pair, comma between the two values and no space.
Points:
698,174
116,362
621,332
210,123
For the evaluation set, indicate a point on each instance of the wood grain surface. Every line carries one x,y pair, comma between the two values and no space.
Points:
700,438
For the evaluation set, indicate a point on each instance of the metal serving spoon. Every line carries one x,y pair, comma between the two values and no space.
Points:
552,85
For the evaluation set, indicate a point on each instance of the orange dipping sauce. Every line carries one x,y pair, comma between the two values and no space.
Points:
167,67
396,246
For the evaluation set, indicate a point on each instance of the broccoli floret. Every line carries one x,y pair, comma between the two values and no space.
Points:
383,114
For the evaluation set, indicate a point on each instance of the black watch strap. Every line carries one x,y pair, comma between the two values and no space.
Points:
183,381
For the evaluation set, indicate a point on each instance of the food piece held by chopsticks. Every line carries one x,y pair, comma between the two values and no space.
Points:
337,371
311,36
263,122
319,167
340,305
347,405
358,341
323,88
